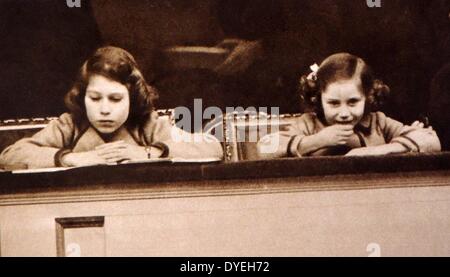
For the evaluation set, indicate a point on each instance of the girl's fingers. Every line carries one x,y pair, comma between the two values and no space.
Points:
346,134
102,152
417,124
112,158
344,127
116,158
111,149
110,153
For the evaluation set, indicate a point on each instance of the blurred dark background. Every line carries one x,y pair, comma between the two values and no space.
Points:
407,42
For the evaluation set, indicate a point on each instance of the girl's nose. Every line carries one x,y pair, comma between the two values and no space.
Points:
105,108
344,113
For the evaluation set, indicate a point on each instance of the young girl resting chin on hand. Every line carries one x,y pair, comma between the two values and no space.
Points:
111,119
344,96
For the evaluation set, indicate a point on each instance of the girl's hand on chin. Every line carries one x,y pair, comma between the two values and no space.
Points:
336,134
119,151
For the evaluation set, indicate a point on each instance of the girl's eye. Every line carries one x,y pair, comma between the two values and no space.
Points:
95,99
353,102
115,99
333,104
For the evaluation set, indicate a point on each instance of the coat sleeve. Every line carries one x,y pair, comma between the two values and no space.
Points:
413,138
39,150
183,144
276,145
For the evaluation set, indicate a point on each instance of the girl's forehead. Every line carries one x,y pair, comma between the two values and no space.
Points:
104,85
347,88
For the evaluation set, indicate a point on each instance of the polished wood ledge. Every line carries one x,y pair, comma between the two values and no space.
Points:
155,180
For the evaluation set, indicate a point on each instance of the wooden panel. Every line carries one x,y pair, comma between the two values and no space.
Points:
84,242
26,236
407,221
80,236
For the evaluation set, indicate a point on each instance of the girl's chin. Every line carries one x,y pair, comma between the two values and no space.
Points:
345,123
106,130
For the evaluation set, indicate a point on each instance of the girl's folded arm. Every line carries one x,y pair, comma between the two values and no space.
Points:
296,141
39,150
412,138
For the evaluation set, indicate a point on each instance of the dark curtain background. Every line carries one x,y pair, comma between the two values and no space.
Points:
43,43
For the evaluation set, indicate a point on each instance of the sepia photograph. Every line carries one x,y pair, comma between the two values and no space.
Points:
225,128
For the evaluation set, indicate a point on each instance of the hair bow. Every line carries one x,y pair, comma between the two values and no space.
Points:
313,75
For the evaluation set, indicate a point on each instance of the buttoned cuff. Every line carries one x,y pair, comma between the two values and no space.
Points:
163,147
408,143
59,155
293,145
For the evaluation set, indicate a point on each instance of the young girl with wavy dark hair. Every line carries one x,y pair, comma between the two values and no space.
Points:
111,119
342,98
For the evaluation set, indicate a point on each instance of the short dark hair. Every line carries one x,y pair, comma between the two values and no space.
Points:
119,65
341,66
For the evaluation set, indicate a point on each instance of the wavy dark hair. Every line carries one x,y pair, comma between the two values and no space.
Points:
337,67
116,64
